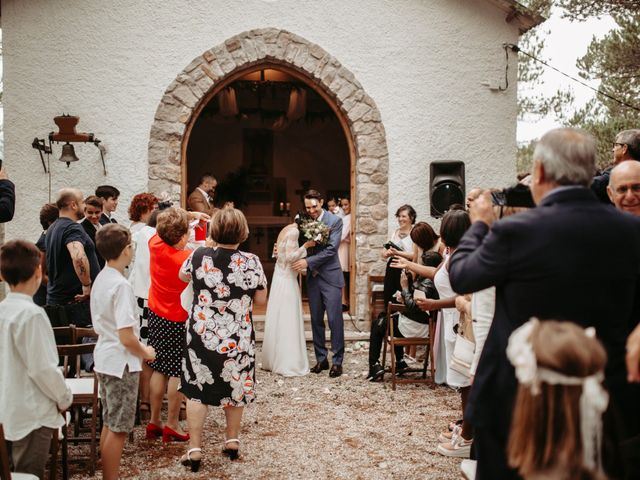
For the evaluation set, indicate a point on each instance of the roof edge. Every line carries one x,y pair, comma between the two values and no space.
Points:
518,14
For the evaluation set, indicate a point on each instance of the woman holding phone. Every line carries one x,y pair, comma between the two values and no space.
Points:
400,245
424,238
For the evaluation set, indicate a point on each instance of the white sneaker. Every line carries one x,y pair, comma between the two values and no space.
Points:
450,437
458,448
468,469
409,358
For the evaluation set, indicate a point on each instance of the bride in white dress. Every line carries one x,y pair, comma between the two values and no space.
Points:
284,349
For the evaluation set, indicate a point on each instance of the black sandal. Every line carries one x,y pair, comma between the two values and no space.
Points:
187,461
232,453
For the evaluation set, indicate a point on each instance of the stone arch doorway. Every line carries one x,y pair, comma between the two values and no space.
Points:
359,117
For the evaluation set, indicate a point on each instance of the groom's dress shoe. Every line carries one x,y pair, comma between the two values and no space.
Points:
320,366
336,371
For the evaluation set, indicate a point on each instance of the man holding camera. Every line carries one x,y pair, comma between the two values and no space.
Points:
548,263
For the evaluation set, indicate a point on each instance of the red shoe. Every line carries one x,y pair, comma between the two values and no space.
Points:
153,431
169,435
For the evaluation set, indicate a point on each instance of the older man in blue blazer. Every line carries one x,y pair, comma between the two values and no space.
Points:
324,287
571,258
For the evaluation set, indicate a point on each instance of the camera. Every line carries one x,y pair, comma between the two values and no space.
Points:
164,204
516,196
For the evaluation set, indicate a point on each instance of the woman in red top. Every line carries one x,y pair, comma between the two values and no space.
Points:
167,319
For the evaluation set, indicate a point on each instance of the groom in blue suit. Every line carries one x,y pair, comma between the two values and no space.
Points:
324,287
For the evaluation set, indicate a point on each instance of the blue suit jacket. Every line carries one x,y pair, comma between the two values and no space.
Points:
570,258
323,261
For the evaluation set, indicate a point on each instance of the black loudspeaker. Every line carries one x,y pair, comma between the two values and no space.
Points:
446,186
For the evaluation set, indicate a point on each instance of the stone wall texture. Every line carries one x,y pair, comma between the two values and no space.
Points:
269,45
129,69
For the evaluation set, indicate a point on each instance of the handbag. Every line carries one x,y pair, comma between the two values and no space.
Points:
462,356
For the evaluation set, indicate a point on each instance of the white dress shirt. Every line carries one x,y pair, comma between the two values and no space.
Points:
113,308
205,194
32,388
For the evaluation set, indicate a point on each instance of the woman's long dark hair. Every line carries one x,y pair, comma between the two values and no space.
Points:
454,224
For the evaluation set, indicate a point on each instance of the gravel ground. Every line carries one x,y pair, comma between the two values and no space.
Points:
318,427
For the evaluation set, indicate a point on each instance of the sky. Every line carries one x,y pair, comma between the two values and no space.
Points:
566,41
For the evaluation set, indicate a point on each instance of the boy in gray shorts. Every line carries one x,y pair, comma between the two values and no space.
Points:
118,354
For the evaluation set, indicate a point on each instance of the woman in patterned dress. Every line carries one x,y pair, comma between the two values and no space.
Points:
218,361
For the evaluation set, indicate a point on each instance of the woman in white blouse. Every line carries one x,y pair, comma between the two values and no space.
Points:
140,279
401,239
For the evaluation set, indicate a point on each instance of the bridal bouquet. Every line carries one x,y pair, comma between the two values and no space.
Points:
315,230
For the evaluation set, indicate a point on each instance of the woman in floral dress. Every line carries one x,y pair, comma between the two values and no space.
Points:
218,361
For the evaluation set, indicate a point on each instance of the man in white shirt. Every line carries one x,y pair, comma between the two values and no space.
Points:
33,392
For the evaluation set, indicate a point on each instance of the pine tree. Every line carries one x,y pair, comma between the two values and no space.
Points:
614,60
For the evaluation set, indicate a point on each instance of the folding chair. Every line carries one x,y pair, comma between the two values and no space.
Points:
390,341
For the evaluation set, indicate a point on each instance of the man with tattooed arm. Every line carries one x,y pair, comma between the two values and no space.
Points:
71,262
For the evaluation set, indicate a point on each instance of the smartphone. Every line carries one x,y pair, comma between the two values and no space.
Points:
390,244
0,164
419,294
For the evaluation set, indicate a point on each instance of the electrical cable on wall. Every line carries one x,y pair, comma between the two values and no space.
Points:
517,49
506,68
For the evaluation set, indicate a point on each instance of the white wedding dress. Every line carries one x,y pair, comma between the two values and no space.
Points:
284,349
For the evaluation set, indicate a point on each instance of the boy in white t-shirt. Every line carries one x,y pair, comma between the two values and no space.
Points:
33,392
118,354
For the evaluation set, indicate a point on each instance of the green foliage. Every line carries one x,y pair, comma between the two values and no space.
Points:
613,59
583,9
524,158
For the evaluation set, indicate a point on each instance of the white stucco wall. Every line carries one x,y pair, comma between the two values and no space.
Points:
422,61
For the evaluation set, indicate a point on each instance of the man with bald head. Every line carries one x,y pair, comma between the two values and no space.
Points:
625,147
72,263
624,186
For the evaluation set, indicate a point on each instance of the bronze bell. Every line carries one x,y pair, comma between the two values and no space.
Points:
68,154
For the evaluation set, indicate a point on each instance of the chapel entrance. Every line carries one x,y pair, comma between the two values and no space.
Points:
268,136
172,171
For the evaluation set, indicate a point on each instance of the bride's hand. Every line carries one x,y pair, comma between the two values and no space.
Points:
309,244
299,265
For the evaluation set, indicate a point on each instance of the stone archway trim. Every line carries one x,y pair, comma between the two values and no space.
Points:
191,90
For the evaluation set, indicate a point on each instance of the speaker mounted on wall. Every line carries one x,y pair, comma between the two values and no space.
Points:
446,186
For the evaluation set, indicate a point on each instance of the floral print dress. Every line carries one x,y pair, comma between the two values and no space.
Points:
219,356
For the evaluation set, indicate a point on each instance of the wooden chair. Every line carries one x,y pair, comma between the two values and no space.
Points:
375,289
85,394
5,469
65,336
53,452
390,341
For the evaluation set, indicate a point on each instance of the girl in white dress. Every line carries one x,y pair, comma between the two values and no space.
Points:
284,348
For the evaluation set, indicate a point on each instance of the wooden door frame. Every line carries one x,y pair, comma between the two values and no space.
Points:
344,123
